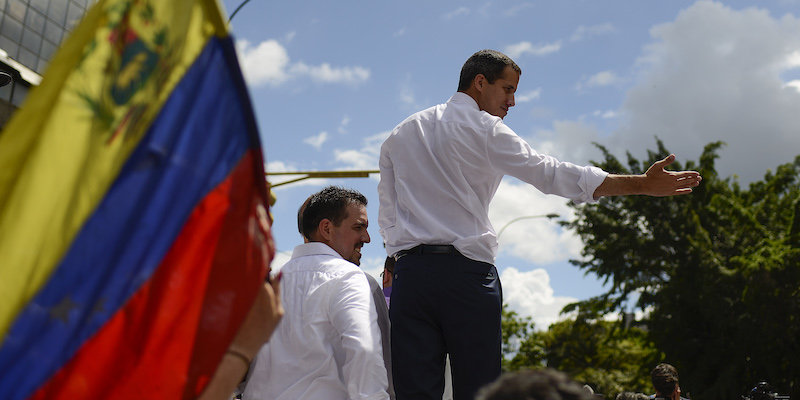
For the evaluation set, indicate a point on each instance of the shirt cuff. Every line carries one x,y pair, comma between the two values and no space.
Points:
590,179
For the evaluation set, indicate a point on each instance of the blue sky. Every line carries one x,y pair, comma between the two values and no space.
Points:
329,80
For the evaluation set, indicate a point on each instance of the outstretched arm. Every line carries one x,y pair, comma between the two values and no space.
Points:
655,182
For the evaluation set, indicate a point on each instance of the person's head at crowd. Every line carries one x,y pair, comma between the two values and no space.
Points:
300,218
762,391
544,384
491,78
665,381
337,217
632,396
388,272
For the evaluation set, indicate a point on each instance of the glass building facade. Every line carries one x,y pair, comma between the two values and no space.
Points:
30,33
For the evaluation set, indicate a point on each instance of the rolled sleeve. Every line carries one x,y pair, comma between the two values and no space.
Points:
591,178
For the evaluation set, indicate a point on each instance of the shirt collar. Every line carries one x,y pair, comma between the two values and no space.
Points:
314,249
465,99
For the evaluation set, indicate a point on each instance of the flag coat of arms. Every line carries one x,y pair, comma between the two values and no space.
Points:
134,230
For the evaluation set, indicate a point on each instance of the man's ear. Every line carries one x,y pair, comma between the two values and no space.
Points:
324,230
479,81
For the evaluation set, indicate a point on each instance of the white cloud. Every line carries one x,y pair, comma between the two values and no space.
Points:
517,214
455,13
529,294
343,125
793,60
586,31
317,141
714,74
606,114
355,159
515,10
600,79
364,158
277,166
407,96
399,32
280,166
528,96
269,63
604,78
263,64
326,73
522,48
569,141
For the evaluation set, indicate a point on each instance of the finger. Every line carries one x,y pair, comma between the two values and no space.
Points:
686,174
690,181
666,161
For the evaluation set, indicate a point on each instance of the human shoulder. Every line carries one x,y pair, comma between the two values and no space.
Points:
423,115
319,256
463,109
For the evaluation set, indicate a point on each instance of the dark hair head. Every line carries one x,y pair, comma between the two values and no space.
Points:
544,384
762,391
388,264
489,63
300,216
665,379
632,396
330,203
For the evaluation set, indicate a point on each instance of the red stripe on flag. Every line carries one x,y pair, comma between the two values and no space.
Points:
169,337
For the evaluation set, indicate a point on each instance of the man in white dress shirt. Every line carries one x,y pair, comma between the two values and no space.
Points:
328,345
440,169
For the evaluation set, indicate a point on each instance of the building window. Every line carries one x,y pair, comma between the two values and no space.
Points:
26,23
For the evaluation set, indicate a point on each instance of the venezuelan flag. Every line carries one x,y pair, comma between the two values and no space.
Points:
134,230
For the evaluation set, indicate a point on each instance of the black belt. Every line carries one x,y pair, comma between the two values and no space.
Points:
447,249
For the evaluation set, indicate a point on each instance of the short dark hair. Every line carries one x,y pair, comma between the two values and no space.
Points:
664,378
632,396
330,203
300,216
542,384
388,264
489,63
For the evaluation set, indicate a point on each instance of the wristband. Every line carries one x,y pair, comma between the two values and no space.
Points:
239,356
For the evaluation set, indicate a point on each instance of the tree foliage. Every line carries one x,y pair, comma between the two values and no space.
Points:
717,271
603,354
514,330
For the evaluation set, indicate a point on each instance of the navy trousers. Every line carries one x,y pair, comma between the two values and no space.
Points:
444,303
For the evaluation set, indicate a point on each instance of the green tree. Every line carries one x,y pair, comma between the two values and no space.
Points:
718,272
602,354
515,329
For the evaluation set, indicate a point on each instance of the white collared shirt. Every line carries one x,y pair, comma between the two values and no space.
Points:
328,344
441,167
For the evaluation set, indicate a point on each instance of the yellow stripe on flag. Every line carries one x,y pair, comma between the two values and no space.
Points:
61,152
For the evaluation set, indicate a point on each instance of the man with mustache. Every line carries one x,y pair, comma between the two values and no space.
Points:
328,345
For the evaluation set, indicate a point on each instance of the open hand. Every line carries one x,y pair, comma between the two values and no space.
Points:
660,182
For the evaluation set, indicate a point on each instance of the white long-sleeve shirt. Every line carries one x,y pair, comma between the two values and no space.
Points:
441,167
328,344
